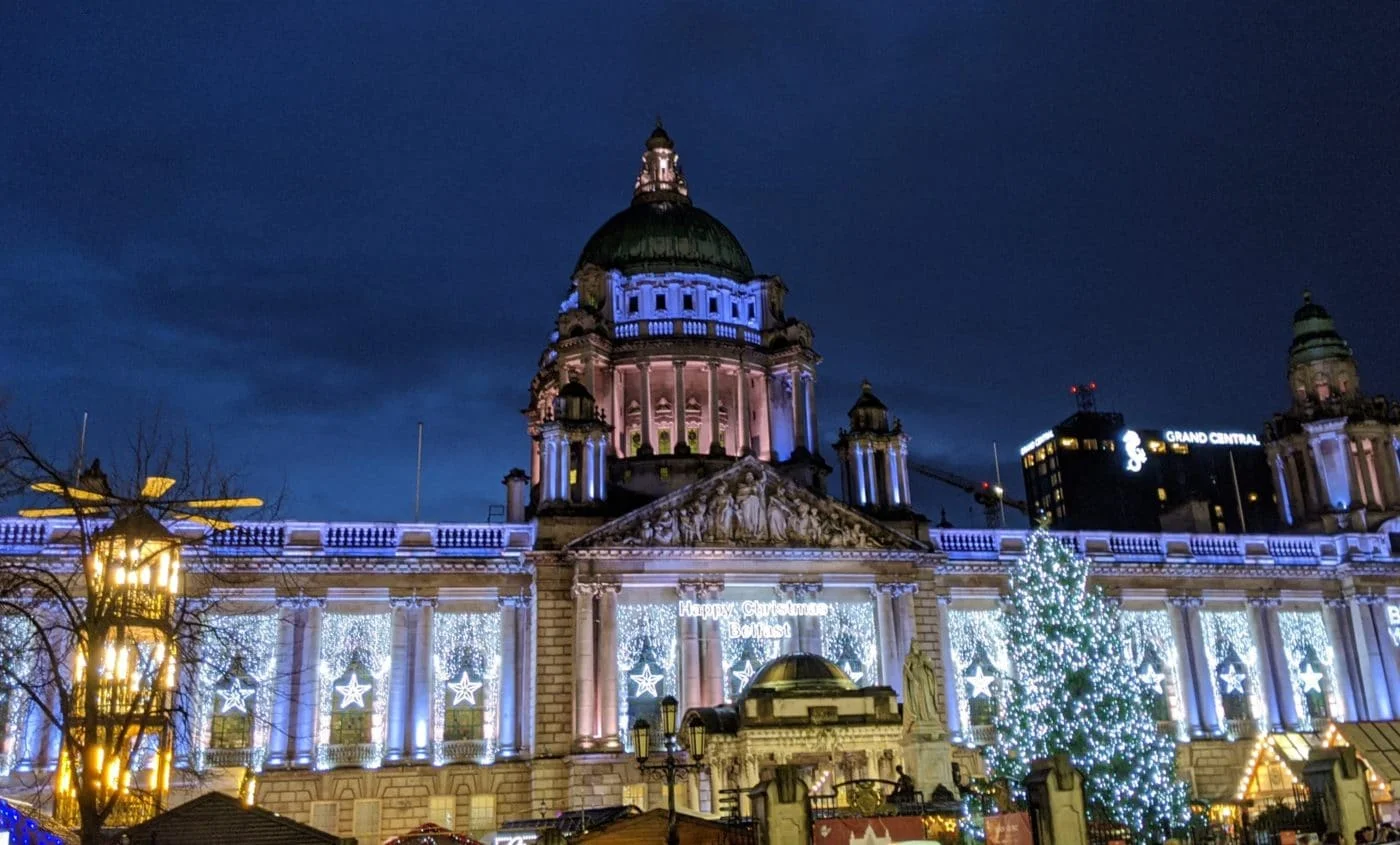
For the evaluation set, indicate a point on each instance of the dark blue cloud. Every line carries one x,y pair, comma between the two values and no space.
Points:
303,227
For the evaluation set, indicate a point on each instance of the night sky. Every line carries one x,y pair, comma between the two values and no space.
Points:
298,228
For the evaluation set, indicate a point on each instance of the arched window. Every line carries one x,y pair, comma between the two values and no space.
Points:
1312,682
982,682
232,723
352,706
645,686
1153,677
1232,682
742,670
464,714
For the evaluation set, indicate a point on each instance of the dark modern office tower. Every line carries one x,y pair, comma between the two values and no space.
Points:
1093,472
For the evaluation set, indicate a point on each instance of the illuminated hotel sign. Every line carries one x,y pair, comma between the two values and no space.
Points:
1212,438
763,620
1040,440
1132,448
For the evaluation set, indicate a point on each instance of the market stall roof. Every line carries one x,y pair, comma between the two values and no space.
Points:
1378,743
431,834
650,828
218,819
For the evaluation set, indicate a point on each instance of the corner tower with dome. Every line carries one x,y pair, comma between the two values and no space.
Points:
1335,452
686,354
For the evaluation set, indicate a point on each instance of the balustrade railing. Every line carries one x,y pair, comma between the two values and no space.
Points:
364,754
981,735
228,758
463,750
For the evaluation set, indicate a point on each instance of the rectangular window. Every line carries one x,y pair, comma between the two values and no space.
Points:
1219,511
366,818
1090,443
634,304
231,730
1156,447
688,301
661,302
751,312
324,816
1180,449
635,795
734,310
573,477
464,723
350,727
1070,443
1161,494
442,810
483,813
714,305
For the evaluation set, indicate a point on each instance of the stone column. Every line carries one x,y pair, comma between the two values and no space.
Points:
896,497
770,390
281,729
619,413
1278,715
399,671
858,458
904,473
585,699
809,381
741,407
514,610
1186,630
607,665
678,408
891,662
716,446
765,414
306,680
692,679
648,447
953,713
1390,655
716,682
904,621
421,696
586,471
1372,662
799,408
1344,660
1285,510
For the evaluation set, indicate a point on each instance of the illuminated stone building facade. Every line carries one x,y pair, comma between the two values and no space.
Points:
671,535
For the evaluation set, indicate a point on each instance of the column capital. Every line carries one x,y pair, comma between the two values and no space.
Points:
1185,602
644,365
690,588
412,601
1337,602
895,589
1263,602
944,599
799,589
301,601
515,601
585,588
1369,599
608,587
710,589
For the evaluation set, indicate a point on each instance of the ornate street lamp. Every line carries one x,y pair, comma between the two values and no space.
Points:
670,768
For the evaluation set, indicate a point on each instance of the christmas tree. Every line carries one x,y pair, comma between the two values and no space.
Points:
1075,693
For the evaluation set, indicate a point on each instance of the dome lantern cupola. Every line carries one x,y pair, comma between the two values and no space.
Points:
1321,366
661,178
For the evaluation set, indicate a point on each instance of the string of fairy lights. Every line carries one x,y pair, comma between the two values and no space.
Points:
1233,657
1312,664
246,640
466,672
364,641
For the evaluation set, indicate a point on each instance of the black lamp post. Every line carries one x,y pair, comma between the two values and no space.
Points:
669,769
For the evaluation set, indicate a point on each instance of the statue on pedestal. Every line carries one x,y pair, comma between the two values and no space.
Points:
920,703
927,752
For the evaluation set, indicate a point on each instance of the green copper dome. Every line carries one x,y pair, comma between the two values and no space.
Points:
1315,335
664,237
662,231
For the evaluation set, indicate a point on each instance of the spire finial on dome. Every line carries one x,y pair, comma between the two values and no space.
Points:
1307,296
661,178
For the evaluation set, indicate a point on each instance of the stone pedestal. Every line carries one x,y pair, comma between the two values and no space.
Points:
1055,793
928,757
780,806
1339,777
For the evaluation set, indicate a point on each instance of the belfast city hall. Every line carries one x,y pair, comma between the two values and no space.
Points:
672,534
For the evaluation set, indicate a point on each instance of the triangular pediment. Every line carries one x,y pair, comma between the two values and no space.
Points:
748,505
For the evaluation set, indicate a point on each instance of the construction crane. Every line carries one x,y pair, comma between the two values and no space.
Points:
990,496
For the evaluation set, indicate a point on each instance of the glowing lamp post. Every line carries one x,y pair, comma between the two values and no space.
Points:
669,769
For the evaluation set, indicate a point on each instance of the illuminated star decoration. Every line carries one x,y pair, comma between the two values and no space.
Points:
743,674
235,697
353,691
464,690
981,683
1151,676
1311,678
852,673
1234,680
647,681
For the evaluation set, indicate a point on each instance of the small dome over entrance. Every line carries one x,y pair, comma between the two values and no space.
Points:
801,674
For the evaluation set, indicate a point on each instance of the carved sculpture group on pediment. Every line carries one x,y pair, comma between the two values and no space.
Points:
751,509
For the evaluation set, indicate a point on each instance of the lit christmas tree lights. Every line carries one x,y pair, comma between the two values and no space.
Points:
1074,692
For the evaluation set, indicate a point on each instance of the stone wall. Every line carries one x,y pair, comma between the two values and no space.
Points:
404,792
554,656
